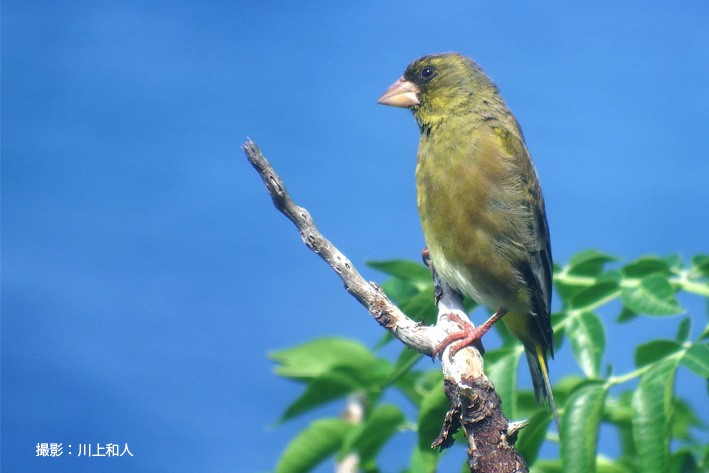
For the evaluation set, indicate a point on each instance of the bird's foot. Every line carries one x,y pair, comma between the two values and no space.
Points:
468,335
426,257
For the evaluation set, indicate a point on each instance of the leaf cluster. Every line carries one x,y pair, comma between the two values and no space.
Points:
655,427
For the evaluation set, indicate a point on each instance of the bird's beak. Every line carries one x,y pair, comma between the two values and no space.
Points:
401,93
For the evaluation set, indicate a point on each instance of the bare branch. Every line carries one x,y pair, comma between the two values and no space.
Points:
354,414
421,338
476,407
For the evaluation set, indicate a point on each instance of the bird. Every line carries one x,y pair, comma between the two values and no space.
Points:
480,203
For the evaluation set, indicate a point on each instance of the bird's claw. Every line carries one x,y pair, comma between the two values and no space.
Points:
468,335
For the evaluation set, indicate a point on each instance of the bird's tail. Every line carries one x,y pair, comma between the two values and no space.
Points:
537,360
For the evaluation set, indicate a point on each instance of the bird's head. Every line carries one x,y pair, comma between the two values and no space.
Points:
438,86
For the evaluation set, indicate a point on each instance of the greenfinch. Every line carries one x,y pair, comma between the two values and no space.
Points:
480,203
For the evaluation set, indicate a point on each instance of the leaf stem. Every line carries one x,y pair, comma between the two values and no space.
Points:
613,380
692,286
682,280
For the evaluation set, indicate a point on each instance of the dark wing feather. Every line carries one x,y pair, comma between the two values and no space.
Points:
537,268
537,271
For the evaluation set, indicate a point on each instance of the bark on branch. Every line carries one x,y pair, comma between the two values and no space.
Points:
475,406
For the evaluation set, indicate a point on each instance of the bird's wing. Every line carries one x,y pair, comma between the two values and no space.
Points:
536,269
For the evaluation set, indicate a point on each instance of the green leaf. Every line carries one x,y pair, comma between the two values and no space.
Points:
683,461
653,296
325,389
527,403
558,321
626,315
652,411
532,437
547,466
316,358
697,359
405,269
605,465
588,341
337,383
683,330
404,363
501,367
368,438
700,264
398,289
594,296
568,286
579,428
589,263
675,262
655,350
420,307
320,440
566,386
566,290
705,332
407,384
683,419
612,275
618,412
433,410
645,266
416,384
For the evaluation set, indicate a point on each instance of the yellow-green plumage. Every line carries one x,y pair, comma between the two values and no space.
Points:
479,199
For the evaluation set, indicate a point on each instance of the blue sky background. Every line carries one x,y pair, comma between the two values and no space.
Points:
145,274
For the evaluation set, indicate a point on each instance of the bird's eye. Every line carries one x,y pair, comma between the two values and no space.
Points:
427,72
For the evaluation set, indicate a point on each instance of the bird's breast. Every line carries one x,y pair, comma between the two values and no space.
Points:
469,218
